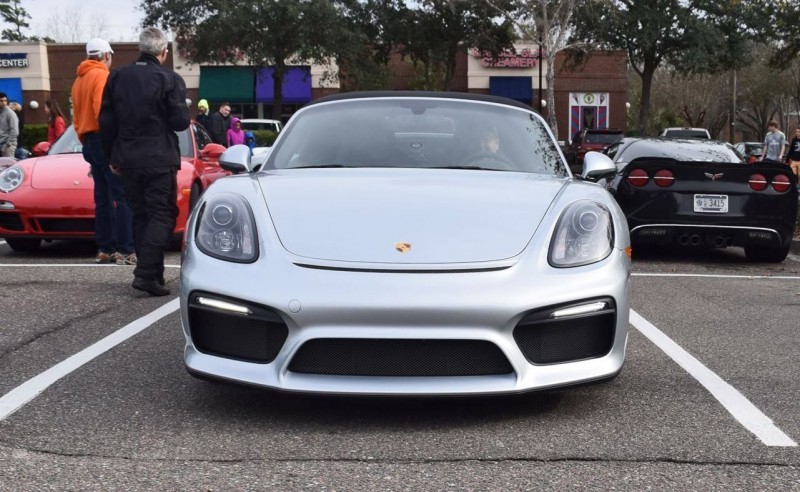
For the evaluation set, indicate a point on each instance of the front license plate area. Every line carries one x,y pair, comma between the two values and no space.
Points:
715,204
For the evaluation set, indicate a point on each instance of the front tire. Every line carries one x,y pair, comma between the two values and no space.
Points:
24,245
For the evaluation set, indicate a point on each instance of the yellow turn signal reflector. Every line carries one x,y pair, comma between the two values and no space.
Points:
629,252
186,192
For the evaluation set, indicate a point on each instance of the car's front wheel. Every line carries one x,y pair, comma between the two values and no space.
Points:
768,254
24,245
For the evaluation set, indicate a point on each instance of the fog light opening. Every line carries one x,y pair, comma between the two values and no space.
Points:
582,309
223,305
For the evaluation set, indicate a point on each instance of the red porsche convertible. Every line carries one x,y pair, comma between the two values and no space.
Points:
51,196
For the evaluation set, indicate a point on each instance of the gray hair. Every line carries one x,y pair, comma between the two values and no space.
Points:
153,41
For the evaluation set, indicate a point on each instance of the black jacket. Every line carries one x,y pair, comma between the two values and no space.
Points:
203,120
218,128
144,104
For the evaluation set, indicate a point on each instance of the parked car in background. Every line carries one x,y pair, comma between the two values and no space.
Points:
50,196
587,140
701,193
273,126
685,132
751,151
407,243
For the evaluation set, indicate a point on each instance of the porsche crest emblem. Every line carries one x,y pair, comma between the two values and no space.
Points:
402,247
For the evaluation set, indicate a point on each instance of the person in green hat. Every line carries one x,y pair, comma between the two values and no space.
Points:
202,113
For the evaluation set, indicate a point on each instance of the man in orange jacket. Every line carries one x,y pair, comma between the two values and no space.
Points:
113,222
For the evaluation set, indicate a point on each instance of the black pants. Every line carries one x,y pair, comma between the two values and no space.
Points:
152,194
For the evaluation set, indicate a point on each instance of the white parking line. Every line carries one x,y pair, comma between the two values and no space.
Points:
93,265
734,402
704,275
27,391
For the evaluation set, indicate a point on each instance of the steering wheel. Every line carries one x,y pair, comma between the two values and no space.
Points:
492,160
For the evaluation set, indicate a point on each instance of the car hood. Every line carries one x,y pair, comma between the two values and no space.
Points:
58,172
444,216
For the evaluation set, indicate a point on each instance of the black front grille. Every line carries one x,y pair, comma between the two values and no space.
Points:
256,337
66,225
544,340
399,358
11,221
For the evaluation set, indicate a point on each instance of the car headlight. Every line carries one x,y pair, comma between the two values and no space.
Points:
226,229
11,178
584,234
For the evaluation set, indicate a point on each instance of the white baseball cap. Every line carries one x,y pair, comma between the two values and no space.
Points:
98,46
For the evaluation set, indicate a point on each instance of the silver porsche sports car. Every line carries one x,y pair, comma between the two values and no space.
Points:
407,243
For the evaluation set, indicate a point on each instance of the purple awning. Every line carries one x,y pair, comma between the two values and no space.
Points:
296,85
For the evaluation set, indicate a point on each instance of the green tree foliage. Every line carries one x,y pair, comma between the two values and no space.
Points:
370,31
438,30
786,21
699,36
11,12
260,33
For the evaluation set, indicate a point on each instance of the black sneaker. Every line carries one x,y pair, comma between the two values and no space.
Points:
152,287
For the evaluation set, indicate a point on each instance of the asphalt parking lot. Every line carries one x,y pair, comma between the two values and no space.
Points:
94,396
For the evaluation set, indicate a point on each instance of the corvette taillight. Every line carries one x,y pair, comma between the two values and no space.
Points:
664,178
638,177
781,183
758,182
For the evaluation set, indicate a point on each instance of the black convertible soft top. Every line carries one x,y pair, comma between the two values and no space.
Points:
441,95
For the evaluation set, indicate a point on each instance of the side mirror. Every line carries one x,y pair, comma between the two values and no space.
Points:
596,166
212,150
236,159
41,149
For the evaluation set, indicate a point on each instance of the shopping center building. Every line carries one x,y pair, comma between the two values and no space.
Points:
590,95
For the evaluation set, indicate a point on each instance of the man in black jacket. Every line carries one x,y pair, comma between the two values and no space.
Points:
144,104
218,124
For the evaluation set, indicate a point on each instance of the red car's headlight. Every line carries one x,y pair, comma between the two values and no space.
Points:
11,178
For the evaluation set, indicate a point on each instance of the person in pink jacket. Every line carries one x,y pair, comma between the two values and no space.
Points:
235,133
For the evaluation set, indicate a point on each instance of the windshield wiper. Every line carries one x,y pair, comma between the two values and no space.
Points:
471,168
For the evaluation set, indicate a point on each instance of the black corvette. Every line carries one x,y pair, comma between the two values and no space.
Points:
702,193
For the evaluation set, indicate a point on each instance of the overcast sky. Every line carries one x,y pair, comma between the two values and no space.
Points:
120,17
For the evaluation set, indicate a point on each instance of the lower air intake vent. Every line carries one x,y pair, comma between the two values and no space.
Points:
547,340
256,337
399,357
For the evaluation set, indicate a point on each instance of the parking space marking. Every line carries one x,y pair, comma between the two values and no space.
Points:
731,399
93,265
705,275
27,391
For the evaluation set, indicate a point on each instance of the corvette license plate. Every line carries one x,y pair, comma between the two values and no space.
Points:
711,203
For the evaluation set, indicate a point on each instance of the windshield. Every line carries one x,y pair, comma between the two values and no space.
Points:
67,143
686,151
417,133
687,134
602,138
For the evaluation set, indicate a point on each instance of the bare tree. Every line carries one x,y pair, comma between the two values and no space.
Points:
65,25
98,25
700,100
545,23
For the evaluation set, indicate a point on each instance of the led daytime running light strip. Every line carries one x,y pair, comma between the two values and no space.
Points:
225,306
584,309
